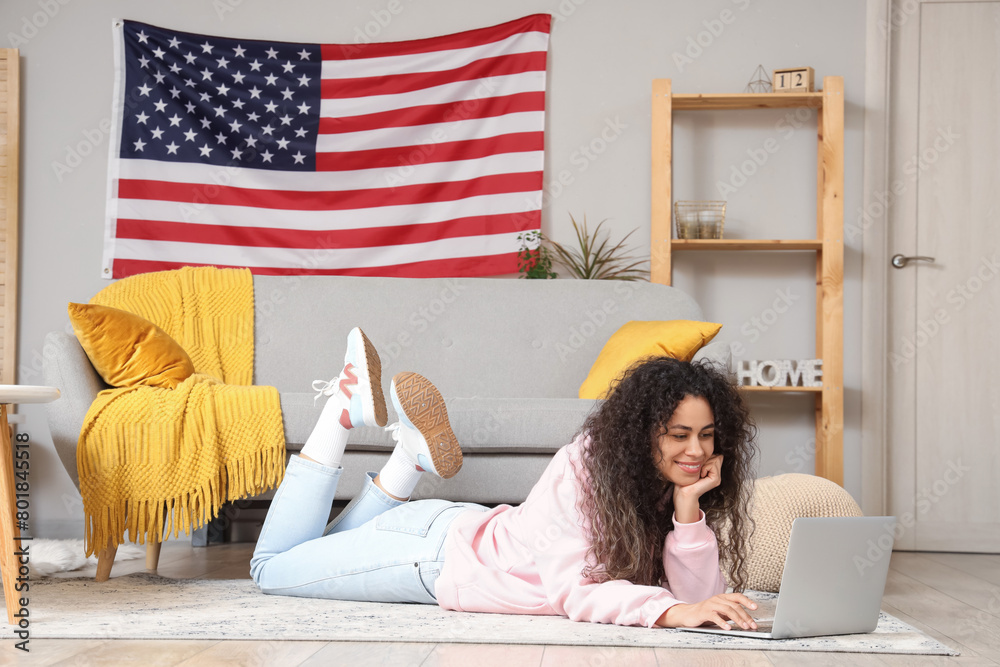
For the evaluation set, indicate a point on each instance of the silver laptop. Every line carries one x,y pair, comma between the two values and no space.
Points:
833,581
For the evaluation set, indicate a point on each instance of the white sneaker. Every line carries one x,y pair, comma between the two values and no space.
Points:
358,388
423,430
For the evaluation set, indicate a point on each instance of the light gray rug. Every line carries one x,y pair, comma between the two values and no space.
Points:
145,606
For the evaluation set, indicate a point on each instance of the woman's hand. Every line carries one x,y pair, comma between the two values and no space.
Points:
686,509
717,609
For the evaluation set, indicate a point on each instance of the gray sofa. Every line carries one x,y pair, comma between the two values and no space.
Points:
508,356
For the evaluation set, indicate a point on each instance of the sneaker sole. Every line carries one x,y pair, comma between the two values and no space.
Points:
424,408
374,370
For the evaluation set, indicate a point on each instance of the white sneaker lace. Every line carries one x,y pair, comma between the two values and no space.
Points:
324,388
394,429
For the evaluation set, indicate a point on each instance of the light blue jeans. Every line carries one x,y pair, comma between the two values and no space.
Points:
378,549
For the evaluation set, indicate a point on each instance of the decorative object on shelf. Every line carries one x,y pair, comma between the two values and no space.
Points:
596,259
793,80
781,373
534,260
759,83
700,219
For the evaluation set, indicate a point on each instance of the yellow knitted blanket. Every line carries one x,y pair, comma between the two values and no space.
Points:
152,460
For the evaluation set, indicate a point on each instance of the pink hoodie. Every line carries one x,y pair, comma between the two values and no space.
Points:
528,559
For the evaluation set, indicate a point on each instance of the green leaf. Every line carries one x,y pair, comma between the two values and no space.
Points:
596,258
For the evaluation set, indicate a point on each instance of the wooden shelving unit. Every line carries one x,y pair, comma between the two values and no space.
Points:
828,244
9,183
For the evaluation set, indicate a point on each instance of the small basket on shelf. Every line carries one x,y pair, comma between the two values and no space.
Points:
699,219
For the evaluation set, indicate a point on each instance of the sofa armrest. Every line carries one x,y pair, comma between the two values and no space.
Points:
65,365
718,353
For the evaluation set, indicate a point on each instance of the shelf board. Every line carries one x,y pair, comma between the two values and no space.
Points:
746,244
782,389
747,101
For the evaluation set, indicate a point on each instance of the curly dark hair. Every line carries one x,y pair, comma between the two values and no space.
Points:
628,501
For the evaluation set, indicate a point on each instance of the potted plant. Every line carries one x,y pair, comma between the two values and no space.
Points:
596,259
534,260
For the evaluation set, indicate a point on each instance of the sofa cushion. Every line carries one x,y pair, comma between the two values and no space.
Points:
129,350
718,353
637,340
469,336
494,425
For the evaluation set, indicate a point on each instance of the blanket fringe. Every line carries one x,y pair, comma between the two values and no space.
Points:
146,519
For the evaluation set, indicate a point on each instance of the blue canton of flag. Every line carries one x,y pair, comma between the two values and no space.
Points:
211,100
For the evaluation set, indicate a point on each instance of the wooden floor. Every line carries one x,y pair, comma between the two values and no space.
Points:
955,598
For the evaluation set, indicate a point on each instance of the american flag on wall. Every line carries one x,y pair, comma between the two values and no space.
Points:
419,158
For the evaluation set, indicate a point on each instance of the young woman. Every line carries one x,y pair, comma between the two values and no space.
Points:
621,527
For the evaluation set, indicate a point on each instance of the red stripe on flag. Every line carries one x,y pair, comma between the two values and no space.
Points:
436,113
487,265
516,63
461,40
182,232
299,200
447,151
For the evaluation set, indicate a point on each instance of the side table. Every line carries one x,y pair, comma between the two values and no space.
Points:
10,534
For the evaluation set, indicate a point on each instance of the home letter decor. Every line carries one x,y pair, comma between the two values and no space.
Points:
780,373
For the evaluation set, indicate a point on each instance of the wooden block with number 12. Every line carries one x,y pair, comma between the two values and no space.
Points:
793,80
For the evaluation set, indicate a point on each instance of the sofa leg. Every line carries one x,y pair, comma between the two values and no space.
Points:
105,561
152,555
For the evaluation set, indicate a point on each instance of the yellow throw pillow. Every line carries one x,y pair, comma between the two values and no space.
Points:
128,350
636,340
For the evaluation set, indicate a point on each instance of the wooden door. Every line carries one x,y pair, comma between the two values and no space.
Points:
943,455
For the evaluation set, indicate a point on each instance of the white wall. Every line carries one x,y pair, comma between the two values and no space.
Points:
603,57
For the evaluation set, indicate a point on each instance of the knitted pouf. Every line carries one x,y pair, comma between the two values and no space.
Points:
776,502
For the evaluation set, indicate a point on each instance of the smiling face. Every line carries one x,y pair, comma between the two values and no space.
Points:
687,443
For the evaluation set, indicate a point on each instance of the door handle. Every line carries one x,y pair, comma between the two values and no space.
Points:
899,261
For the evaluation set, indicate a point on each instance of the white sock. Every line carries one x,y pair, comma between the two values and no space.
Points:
328,440
399,476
